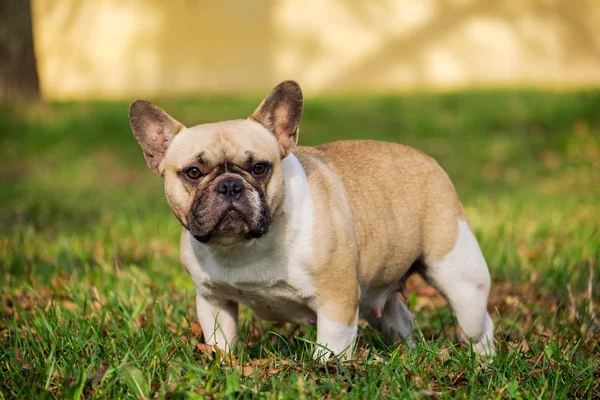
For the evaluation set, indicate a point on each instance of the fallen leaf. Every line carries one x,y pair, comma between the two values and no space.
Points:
430,393
247,370
70,305
363,354
196,329
204,348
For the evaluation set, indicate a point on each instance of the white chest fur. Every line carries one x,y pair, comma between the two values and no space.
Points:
270,274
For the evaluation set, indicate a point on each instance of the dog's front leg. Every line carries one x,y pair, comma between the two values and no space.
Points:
337,324
219,320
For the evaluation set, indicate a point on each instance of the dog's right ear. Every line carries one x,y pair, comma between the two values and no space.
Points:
154,129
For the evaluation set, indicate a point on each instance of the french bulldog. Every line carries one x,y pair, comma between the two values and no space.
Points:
312,235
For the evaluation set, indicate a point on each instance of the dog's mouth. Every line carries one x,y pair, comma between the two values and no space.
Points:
230,220
232,225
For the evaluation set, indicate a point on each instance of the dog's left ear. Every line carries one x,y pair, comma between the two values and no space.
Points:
280,113
154,129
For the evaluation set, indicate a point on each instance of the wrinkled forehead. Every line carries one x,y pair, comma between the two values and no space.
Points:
234,141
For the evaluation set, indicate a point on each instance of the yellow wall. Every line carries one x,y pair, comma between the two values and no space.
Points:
130,48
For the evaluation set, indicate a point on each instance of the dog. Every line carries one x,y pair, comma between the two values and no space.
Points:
312,235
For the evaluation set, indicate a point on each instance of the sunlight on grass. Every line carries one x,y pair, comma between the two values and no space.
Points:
94,300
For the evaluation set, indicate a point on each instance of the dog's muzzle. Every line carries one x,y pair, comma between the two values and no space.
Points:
232,209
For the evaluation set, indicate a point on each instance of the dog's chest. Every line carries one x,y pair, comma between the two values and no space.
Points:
270,275
276,285
278,302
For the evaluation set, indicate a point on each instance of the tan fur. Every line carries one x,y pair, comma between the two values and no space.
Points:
221,147
352,183
410,189
335,251
374,209
154,130
280,113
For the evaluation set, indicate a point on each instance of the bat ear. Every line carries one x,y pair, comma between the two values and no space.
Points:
154,129
280,112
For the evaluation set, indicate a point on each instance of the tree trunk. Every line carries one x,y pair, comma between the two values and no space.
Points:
18,70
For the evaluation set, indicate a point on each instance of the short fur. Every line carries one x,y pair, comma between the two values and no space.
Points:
326,233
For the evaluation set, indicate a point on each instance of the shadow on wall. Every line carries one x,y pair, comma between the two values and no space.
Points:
482,42
108,48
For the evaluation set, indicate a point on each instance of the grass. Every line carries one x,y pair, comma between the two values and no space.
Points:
95,304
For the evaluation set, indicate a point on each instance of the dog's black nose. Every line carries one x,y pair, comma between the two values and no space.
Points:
230,188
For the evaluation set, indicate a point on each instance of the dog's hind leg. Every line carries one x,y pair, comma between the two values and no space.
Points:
397,321
462,277
392,319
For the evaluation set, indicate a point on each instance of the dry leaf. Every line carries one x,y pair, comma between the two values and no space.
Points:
196,329
70,305
210,349
363,354
430,393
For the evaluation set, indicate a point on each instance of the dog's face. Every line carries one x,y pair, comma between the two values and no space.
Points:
223,180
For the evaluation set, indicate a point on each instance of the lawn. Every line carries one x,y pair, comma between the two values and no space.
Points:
94,303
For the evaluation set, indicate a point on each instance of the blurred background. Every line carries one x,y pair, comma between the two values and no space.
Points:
115,49
504,94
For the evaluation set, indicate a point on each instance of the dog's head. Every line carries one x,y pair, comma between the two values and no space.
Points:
223,180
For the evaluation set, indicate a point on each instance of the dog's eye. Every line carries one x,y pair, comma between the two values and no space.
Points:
193,173
259,169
